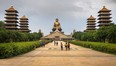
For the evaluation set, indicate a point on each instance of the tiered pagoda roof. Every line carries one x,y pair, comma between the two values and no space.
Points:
91,24
104,17
24,24
11,19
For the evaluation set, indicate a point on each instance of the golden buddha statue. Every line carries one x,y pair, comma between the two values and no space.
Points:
56,26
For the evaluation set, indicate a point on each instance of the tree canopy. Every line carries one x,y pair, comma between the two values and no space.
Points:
16,36
102,34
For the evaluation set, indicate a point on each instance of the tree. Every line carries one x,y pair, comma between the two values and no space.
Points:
77,35
101,34
111,33
2,25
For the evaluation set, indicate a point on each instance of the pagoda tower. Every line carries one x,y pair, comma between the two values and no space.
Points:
74,31
56,26
24,24
91,24
41,32
104,17
11,19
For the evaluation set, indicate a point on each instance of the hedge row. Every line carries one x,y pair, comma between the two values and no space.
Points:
12,49
103,47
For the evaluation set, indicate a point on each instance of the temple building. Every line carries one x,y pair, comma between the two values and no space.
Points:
24,25
11,19
104,17
91,24
57,33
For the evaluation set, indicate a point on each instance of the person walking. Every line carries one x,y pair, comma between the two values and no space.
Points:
54,43
57,43
68,46
44,43
61,46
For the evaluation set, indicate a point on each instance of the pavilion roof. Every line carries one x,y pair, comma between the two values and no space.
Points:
52,35
104,9
11,8
24,17
91,17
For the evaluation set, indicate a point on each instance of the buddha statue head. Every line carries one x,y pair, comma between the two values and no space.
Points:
56,19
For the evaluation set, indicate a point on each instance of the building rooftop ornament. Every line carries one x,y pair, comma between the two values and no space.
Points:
11,8
24,16
104,8
91,17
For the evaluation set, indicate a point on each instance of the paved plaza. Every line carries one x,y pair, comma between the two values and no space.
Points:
51,55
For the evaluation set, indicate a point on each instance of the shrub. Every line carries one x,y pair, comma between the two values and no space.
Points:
104,47
12,49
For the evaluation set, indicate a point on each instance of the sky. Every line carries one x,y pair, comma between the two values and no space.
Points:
72,14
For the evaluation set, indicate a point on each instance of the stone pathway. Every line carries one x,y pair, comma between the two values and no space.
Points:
51,55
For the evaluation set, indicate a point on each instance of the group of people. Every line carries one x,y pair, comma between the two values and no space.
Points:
55,43
66,45
43,43
62,46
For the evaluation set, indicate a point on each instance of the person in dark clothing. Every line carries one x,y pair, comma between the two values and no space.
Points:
43,43
61,46
57,43
68,46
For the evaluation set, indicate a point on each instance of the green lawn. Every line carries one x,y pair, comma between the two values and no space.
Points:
103,47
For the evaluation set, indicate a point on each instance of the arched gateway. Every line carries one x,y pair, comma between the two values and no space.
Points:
57,33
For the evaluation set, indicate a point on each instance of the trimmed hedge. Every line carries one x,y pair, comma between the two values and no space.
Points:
103,47
12,49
